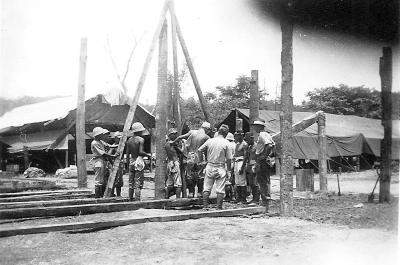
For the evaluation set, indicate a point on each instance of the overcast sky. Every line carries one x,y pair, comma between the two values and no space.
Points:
40,42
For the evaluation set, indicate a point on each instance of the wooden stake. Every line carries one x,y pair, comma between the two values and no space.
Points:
254,103
80,118
286,178
26,157
132,109
385,72
161,115
189,63
322,153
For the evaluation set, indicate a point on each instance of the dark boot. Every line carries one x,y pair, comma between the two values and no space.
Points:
256,195
220,200
103,190
167,192
97,191
244,194
200,185
178,192
131,194
137,195
237,194
118,190
112,192
206,195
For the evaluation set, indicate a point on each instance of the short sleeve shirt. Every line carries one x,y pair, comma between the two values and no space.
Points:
98,148
218,150
264,138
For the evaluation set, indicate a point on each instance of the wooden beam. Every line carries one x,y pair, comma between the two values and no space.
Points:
286,178
106,207
25,230
30,193
189,63
322,153
61,136
161,116
176,91
385,72
80,201
80,118
46,197
132,109
254,102
299,126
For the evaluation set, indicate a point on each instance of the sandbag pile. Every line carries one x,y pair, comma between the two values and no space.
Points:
34,172
67,173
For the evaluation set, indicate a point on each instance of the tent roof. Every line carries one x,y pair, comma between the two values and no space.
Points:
347,135
336,125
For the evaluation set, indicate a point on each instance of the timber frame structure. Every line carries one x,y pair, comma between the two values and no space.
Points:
160,35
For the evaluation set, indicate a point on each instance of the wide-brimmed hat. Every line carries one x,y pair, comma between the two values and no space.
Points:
137,127
98,131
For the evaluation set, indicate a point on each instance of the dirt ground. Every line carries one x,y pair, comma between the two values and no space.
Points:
326,229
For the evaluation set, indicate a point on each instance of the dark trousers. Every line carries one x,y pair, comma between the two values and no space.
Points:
263,170
195,177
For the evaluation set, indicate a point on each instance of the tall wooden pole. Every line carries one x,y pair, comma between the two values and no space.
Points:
322,153
26,157
189,63
135,101
80,118
254,103
385,71
286,178
176,92
161,115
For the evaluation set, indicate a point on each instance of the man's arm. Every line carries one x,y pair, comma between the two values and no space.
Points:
141,148
201,150
245,156
183,136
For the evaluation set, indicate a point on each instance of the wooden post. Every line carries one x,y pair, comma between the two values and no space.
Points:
176,92
66,157
254,103
385,72
26,157
80,118
132,109
286,178
322,153
161,115
189,63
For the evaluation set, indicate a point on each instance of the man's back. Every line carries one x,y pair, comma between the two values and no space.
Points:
196,139
133,146
218,150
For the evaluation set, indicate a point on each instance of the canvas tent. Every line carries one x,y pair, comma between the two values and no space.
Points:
347,135
50,124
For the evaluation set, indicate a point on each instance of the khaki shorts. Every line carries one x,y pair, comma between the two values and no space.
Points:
217,175
174,174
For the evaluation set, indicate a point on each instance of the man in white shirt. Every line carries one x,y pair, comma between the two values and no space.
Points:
218,167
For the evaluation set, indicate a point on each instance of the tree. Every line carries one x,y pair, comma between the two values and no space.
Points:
359,100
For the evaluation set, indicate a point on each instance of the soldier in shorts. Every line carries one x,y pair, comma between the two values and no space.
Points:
135,153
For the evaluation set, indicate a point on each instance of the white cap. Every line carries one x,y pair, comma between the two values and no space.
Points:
137,127
230,137
206,125
258,123
98,131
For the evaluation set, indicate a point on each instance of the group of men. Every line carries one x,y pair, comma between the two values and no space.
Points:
194,159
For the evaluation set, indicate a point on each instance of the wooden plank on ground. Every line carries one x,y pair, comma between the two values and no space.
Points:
48,192
79,201
25,230
71,210
46,197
